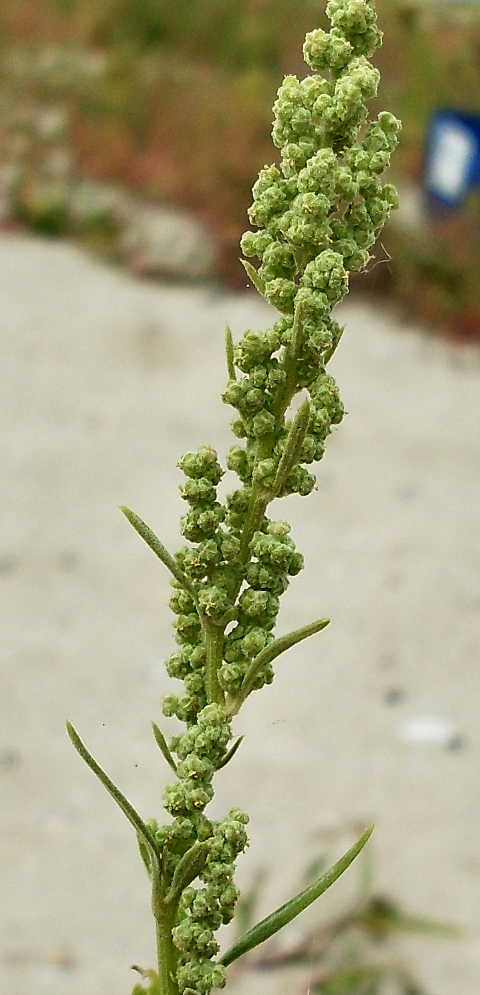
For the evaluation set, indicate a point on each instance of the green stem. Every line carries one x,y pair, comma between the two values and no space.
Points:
214,646
166,954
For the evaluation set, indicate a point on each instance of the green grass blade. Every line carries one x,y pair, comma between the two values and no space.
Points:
291,909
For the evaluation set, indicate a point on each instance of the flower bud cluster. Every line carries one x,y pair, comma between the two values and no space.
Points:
273,561
317,215
325,202
201,750
213,569
206,908
203,473
326,410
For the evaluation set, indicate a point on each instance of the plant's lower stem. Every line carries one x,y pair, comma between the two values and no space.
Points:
166,953
214,646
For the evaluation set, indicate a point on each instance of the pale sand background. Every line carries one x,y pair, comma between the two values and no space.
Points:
105,383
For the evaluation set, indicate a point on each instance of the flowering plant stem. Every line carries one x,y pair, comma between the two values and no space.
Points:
317,215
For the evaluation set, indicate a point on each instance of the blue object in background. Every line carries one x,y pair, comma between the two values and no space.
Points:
452,162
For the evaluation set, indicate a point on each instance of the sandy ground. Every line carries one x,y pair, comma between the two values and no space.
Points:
105,383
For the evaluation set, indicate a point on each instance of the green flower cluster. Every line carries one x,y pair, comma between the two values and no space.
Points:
317,216
205,909
319,213
273,561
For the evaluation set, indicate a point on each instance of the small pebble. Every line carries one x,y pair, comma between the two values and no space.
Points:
393,696
9,757
456,743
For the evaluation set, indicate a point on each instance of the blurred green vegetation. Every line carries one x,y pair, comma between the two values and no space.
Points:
173,100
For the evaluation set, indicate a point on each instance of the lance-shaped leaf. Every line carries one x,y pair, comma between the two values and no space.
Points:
269,654
159,549
229,351
187,869
290,910
162,745
231,753
297,332
253,276
128,810
293,446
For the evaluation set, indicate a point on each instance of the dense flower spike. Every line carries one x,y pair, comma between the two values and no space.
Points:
316,217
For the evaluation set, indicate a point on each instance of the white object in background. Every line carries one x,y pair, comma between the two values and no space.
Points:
453,149
430,730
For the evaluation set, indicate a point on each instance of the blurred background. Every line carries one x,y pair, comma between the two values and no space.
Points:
170,104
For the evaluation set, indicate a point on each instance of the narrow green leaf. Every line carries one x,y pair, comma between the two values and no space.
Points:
297,332
144,851
293,446
158,548
290,910
162,745
128,810
232,375
187,869
231,753
253,276
269,654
